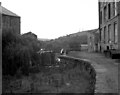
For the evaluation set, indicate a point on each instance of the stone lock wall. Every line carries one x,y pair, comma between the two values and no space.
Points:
86,67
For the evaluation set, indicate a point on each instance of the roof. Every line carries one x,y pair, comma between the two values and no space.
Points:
8,12
30,34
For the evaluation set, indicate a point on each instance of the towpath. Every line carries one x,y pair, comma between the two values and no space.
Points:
106,69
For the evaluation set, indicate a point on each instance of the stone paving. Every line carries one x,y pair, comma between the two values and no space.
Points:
106,69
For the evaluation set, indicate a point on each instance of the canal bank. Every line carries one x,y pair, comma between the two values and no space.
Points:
85,67
69,75
106,71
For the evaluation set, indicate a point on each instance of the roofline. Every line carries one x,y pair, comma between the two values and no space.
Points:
11,15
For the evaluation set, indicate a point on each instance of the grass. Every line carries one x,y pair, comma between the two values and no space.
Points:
60,79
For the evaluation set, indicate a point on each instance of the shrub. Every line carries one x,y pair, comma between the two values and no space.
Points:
17,52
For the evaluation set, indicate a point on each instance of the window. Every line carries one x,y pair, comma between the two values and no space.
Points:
109,33
105,34
101,17
100,34
115,33
115,8
109,11
101,4
105,14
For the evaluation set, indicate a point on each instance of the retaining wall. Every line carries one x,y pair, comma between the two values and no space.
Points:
86,67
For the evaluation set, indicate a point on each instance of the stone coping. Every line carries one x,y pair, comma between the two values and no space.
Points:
88,66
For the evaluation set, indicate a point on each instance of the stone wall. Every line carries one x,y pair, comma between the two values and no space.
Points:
10,23
86,67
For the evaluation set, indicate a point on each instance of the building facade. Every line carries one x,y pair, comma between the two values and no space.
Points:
10,21
109,25
93,41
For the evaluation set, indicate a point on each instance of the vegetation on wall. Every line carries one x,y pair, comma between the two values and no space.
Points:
18,52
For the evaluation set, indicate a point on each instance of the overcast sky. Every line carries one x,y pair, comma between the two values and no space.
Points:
54,18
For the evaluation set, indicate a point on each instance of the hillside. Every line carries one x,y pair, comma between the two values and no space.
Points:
80,37
43,39
65,41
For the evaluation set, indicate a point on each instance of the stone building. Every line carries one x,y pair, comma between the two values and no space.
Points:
30,34
93,41
91,38
10,21
109,25
0,19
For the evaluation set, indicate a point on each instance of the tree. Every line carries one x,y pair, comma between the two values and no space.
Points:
17,52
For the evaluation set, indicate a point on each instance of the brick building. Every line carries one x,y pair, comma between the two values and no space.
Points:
10,21
109,25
